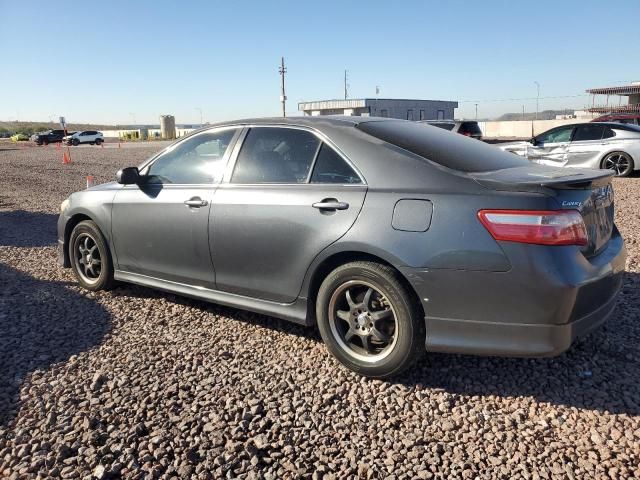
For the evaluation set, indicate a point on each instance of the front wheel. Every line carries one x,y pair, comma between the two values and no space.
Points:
369,319
75,142
619,162
90,258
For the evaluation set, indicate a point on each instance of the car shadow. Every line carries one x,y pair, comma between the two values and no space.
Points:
592,374
41,323
20,228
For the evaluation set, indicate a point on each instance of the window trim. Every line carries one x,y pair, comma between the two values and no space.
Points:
144,167
231,165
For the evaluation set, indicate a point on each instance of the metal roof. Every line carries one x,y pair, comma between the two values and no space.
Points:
624,90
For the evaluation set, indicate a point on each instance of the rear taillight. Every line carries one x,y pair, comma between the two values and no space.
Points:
546,227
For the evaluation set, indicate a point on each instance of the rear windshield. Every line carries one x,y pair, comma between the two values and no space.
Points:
470,128
445,148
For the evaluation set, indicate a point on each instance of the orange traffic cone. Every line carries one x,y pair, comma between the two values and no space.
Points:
65,158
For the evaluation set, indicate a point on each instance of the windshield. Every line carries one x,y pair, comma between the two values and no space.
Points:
445,148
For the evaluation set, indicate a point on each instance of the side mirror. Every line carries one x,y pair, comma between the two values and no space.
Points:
128,176
533,141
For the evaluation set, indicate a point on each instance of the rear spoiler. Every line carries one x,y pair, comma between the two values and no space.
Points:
538,178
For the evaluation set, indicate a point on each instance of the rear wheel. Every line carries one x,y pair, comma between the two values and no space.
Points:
90,258
369,319
619,162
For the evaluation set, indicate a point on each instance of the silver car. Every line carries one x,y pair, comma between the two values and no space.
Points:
608,145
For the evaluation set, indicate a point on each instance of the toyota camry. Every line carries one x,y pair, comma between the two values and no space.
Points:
392,237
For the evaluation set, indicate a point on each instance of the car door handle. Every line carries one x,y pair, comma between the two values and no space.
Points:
196,202
330,204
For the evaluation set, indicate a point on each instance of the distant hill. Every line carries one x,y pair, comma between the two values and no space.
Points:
32,127
543,115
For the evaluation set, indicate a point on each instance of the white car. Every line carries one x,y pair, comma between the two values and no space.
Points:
88,136
608,145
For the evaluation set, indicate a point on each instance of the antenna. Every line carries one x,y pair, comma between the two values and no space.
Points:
283,98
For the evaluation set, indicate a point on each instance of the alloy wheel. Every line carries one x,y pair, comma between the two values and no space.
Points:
619,163
362,321
87,259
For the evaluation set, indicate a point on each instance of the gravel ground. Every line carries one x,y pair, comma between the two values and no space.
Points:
135,383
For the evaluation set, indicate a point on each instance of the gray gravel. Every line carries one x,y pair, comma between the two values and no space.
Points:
136,383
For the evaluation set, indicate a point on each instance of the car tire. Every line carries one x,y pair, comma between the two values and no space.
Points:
90,257
46,142
75,142
370,320
619,162
98,141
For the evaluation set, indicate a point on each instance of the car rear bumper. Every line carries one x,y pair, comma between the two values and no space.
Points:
549,298
512,339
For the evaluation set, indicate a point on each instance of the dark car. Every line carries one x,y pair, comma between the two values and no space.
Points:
389,235
467,128
630,118
50,136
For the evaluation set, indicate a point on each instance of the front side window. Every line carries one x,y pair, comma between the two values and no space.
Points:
197,160
588,132
332,168
556,136
275,155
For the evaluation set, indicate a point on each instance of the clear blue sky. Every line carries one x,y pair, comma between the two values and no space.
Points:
104,61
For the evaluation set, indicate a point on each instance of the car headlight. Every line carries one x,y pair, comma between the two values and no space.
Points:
64,205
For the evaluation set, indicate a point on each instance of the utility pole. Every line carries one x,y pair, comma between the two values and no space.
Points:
522,112
537,98
283,97
346,86
200,110
476,112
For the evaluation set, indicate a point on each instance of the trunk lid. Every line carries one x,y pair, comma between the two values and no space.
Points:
588,191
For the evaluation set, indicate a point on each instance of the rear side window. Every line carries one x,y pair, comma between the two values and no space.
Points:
331,168
608,133
452,151
588,132
275,155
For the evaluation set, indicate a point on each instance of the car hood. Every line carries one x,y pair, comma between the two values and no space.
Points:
104,186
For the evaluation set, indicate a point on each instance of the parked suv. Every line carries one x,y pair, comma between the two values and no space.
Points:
631,118
50,136
88,136
466,128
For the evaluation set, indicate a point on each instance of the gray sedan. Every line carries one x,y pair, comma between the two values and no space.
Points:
390,236
608,145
